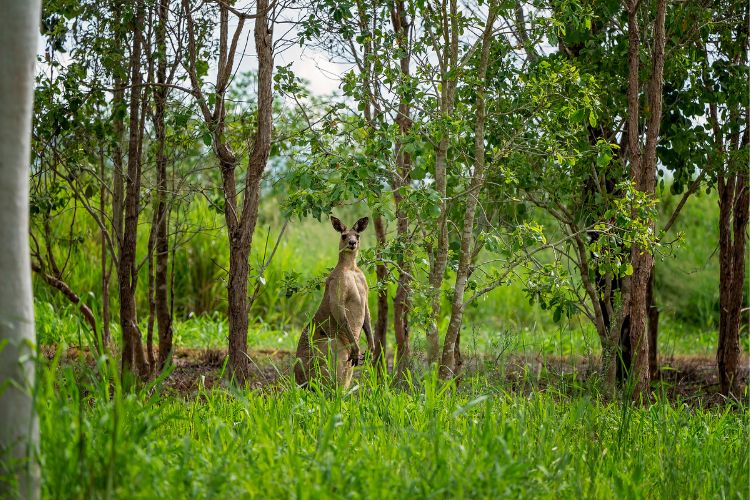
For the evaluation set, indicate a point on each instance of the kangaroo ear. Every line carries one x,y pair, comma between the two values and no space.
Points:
361,224
337,225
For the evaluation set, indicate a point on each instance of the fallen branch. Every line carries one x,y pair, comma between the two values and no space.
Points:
63,287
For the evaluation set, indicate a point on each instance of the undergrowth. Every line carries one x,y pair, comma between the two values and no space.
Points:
421,438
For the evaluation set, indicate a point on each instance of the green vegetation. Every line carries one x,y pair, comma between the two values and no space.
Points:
514,169
382,440
378,441
686,292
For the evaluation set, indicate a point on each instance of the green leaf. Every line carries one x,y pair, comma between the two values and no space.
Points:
557,315
592,119
628,269
201,68
181,120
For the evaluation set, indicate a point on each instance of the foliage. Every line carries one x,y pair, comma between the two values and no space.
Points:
376,440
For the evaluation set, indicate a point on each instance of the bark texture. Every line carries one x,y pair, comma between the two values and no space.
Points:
19,433
643,174
734,199
448,54
653,328
240,217
161,292
374,117
401,177
133,359
733,184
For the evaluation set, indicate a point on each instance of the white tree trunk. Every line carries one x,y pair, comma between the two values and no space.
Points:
19,435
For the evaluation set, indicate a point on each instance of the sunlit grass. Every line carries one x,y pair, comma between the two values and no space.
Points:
378,440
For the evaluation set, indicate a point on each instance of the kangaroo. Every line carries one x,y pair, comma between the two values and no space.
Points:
343,313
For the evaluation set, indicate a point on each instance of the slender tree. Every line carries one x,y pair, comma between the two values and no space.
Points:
161,299
133,358
446,23
400,179
19,34
643,174
451,360
731,144
240,213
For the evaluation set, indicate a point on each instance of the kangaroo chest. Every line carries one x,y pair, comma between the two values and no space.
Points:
350,290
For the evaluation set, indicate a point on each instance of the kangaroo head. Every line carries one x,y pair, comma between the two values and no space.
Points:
349,241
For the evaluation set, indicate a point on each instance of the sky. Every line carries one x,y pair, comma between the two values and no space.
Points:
308,63
313,66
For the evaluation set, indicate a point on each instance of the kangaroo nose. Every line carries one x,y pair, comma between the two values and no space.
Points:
352,243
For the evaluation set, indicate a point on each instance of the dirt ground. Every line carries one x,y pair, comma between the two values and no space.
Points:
685,379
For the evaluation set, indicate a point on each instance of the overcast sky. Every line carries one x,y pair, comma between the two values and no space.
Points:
307,62
323,75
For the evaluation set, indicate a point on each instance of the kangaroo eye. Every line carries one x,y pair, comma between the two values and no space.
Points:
343,236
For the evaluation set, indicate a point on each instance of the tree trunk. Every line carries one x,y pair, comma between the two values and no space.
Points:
644,176
237,311
734,206
449,55
451,352
440,257
132,349
372,111
622,334
118,177
734,198
401,323
118,125
642,262
240,223
151,302
401,301
381,324
241,237
19,433
161,296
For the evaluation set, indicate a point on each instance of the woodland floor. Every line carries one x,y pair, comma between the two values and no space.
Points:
691,379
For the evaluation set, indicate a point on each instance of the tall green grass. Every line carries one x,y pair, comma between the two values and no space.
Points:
376,440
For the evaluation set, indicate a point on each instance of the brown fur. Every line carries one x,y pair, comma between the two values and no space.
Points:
343,313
